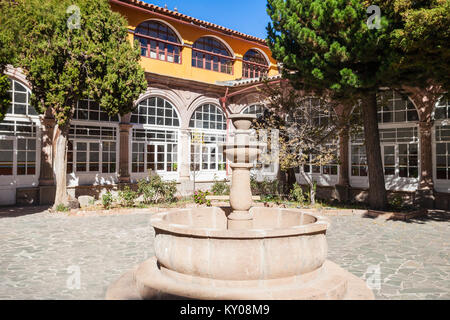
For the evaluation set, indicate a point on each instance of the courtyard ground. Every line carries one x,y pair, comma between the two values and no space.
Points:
42,255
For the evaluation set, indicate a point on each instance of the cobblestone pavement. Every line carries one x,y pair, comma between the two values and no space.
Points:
41,253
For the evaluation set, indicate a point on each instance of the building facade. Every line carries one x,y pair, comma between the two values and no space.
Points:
198,74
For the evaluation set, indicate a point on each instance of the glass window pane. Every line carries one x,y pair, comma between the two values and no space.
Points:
6,145
441,173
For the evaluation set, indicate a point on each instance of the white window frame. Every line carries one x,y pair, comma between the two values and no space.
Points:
395,97
91,102
149,141
74,140
30,112
217,134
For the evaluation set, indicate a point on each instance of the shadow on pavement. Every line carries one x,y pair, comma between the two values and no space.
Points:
433,215
13,211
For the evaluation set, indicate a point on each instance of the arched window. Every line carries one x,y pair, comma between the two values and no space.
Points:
257,109
155,148
20,100
255,65
395,107
209,131
158,41
207,117
209,53
18,136
155,111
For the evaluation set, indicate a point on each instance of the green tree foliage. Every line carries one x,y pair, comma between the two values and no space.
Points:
327,44
73,49
420,40
7,56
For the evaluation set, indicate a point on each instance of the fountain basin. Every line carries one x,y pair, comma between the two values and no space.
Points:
281,243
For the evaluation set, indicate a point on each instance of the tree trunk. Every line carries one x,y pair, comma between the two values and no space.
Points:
60,165
426,184
310,182
282,181
344,178
377,187
343,186
291,180
312,193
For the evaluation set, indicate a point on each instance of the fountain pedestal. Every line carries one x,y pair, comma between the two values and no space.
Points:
242,153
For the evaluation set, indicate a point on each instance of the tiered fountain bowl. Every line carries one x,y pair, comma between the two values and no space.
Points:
239,253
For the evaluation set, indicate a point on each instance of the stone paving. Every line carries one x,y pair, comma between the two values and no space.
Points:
41,254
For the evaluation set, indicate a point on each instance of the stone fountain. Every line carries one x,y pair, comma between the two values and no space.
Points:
242,252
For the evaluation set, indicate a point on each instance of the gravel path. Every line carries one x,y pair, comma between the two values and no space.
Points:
43,255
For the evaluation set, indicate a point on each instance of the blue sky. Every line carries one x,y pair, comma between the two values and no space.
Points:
247,16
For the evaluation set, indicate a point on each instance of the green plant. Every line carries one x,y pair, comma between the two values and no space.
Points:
298,195
169,190
127,196
61,208
266,188
397,203
156,190
200,197
107,200
220,188
270,198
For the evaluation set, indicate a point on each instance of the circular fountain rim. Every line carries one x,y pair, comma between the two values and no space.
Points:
243,116
319,226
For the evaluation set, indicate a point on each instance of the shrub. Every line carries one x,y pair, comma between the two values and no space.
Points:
107,200
169,191
200,197
155,189
61,208
127,197
298,195
265,188
220,188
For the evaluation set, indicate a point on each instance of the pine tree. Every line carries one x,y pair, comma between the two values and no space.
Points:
328,46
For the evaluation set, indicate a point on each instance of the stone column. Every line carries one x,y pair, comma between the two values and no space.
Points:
124,153
425,193
47,186
183,161
343,186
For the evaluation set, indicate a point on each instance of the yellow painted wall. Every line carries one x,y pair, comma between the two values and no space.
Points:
189,34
